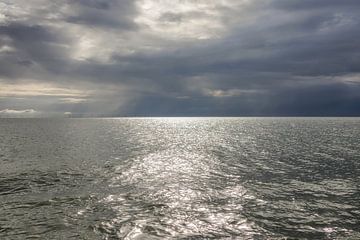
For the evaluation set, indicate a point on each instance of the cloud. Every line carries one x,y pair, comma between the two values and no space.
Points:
40,89
11,111
165,57
110,14
18,113
229,92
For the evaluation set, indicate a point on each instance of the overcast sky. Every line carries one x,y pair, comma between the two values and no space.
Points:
180,57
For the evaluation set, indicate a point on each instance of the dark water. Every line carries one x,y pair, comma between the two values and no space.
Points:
234,178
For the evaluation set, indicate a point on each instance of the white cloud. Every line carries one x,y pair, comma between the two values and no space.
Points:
19,113
73,100
26,89
12,111
5,49
184,19
349,78
229,92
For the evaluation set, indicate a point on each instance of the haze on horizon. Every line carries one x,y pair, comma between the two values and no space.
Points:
180,57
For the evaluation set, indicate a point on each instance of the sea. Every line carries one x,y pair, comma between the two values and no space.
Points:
180,178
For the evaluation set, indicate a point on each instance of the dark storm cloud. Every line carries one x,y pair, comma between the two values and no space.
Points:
104,13
40,48
20,32
310,4
283,58
97,4
320,100
32,45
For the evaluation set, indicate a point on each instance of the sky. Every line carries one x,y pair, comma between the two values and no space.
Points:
179,58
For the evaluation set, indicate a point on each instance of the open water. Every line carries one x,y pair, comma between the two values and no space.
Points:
180,178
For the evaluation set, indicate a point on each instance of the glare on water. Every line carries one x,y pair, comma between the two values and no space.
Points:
177,182
180,178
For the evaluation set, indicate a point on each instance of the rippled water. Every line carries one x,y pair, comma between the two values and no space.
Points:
180,178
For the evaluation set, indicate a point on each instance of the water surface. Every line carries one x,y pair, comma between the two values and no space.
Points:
180,178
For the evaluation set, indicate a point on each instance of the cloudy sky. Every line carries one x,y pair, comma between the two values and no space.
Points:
180,57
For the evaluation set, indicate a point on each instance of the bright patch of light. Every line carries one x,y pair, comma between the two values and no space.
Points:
182,18
39,89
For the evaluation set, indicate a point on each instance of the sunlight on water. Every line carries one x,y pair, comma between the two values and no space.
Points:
178,183
180,178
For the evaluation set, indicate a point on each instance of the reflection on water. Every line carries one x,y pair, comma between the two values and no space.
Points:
180,178
177,189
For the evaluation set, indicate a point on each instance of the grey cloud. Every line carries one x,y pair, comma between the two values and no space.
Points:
103,5
171,17
309,4
34,47
318,100
335,99
117,14
21,32
285,57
